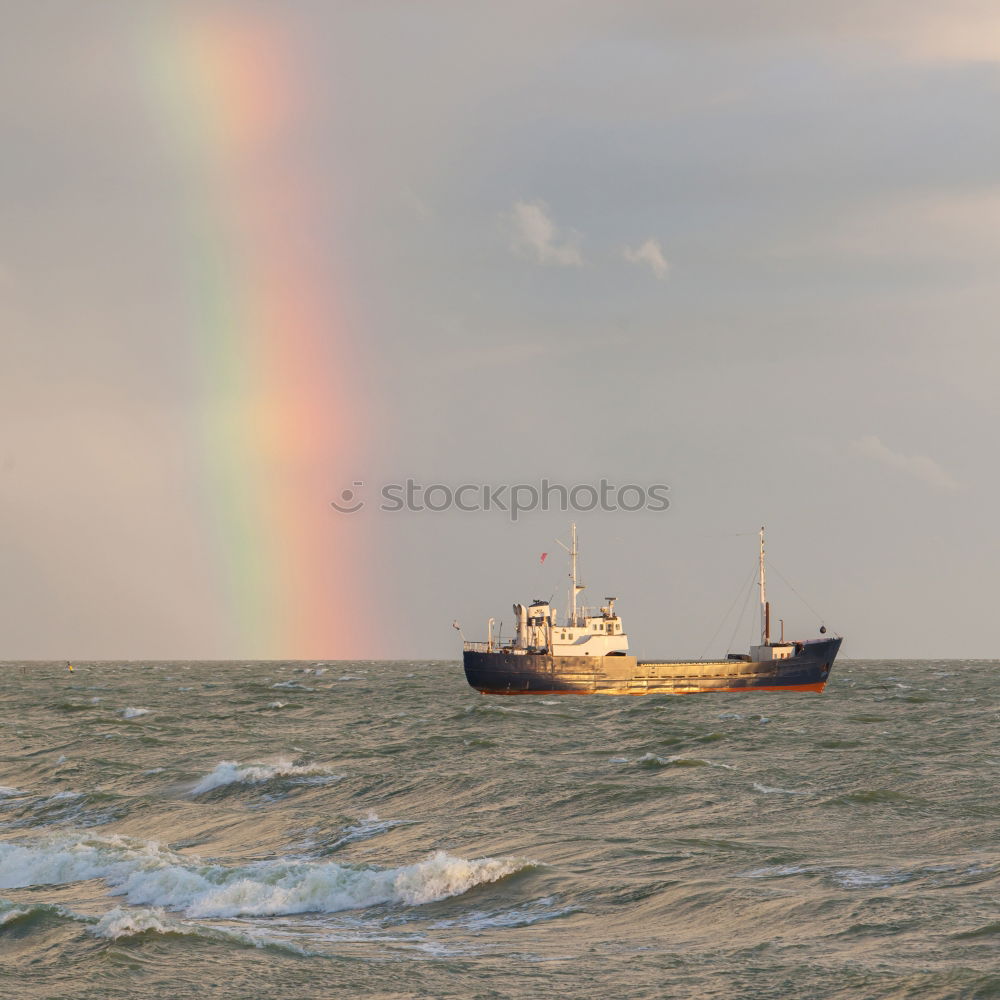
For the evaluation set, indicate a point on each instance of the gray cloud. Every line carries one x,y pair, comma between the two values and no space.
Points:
920,467
648,254
533,232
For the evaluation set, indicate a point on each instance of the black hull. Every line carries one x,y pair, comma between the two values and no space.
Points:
531,673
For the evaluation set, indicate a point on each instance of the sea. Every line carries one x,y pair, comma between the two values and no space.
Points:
380,830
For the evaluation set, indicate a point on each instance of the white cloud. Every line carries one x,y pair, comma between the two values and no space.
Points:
534,232
649,254
918,466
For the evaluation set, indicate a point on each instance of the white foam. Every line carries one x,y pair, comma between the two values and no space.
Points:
229,772
277,704
767,790
63,796
119,922
856,878
523,916
780,871
148,875
368,827
9,916
133,713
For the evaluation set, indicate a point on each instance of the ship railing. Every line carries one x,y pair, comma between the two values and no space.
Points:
490,647
583,613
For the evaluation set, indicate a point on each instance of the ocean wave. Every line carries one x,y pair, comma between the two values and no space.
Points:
63,808
13,914
230,772
769,790
654,761
137,921
857,878
27,913
120,922
369,826
147,874
844,878
520,916
133,713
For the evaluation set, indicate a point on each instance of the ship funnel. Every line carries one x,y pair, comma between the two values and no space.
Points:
521,618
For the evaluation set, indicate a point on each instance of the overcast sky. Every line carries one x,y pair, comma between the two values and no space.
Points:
746,250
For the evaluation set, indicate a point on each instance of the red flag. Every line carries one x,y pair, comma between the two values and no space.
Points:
544,554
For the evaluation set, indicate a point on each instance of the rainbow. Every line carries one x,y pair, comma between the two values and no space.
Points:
272,343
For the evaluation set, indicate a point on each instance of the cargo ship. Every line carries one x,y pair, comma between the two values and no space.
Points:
589,654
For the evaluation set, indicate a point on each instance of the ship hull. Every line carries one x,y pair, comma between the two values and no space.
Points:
510,673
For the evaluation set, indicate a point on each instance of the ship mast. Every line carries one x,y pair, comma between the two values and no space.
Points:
572,571
575,587
765,609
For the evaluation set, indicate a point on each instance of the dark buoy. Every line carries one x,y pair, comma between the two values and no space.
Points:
822,630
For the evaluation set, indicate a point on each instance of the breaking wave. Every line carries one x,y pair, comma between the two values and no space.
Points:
230,772
147,874
123,923
133,713
770,790
369,826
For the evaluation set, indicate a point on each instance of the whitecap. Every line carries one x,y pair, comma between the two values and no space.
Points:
9,916
133,713
119,922
857,878
369,826
61,796
521,916
779,871
229,772
147,874
767,790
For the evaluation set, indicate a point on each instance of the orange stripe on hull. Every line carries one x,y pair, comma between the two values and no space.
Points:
816,688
